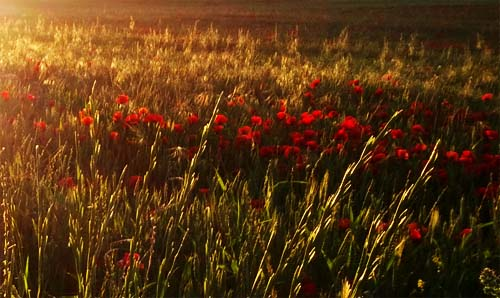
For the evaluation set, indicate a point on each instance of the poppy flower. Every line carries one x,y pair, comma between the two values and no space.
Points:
317,114
307,118
114,136
420,147
87,120
378,157
402,154
220,119
290,120
204,190
354,82
465,232
312,145
117,116
397,133
126,261
358,90
314,83
122,99
382,226
132,119
218,128
256,120
344,224
308,288
379,92
451,155
332,114
467,157
143,111
487,97
31,97
417,129
5,95
193,119
415,232
281,115
66,182
178,128
349,123
134,181
490,134
41,126
288,151
153,118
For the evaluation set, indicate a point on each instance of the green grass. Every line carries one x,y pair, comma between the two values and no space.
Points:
305,190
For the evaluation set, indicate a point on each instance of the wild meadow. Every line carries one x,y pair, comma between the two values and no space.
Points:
153,161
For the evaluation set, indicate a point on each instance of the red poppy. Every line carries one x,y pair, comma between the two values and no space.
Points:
193,119
178,128
31,97
87,120
379,91
358,90
349,123
154,118
114,136
452,155
417,129
132,119
308,288
288,151
332,114
126,261
134,181
5,95
420,147
310,134
218,128
281,115
344,224
487,97
402,153
382,226
122,99
415,235
143,111
416,232
317,114
312,145
220,119
256,120
314,83
40,126
465,232
490,134
290,120
467,157
204,190
378,157
397,133
307,118
354,82
117,116
66,182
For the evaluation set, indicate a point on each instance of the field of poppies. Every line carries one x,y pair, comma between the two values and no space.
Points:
151,162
